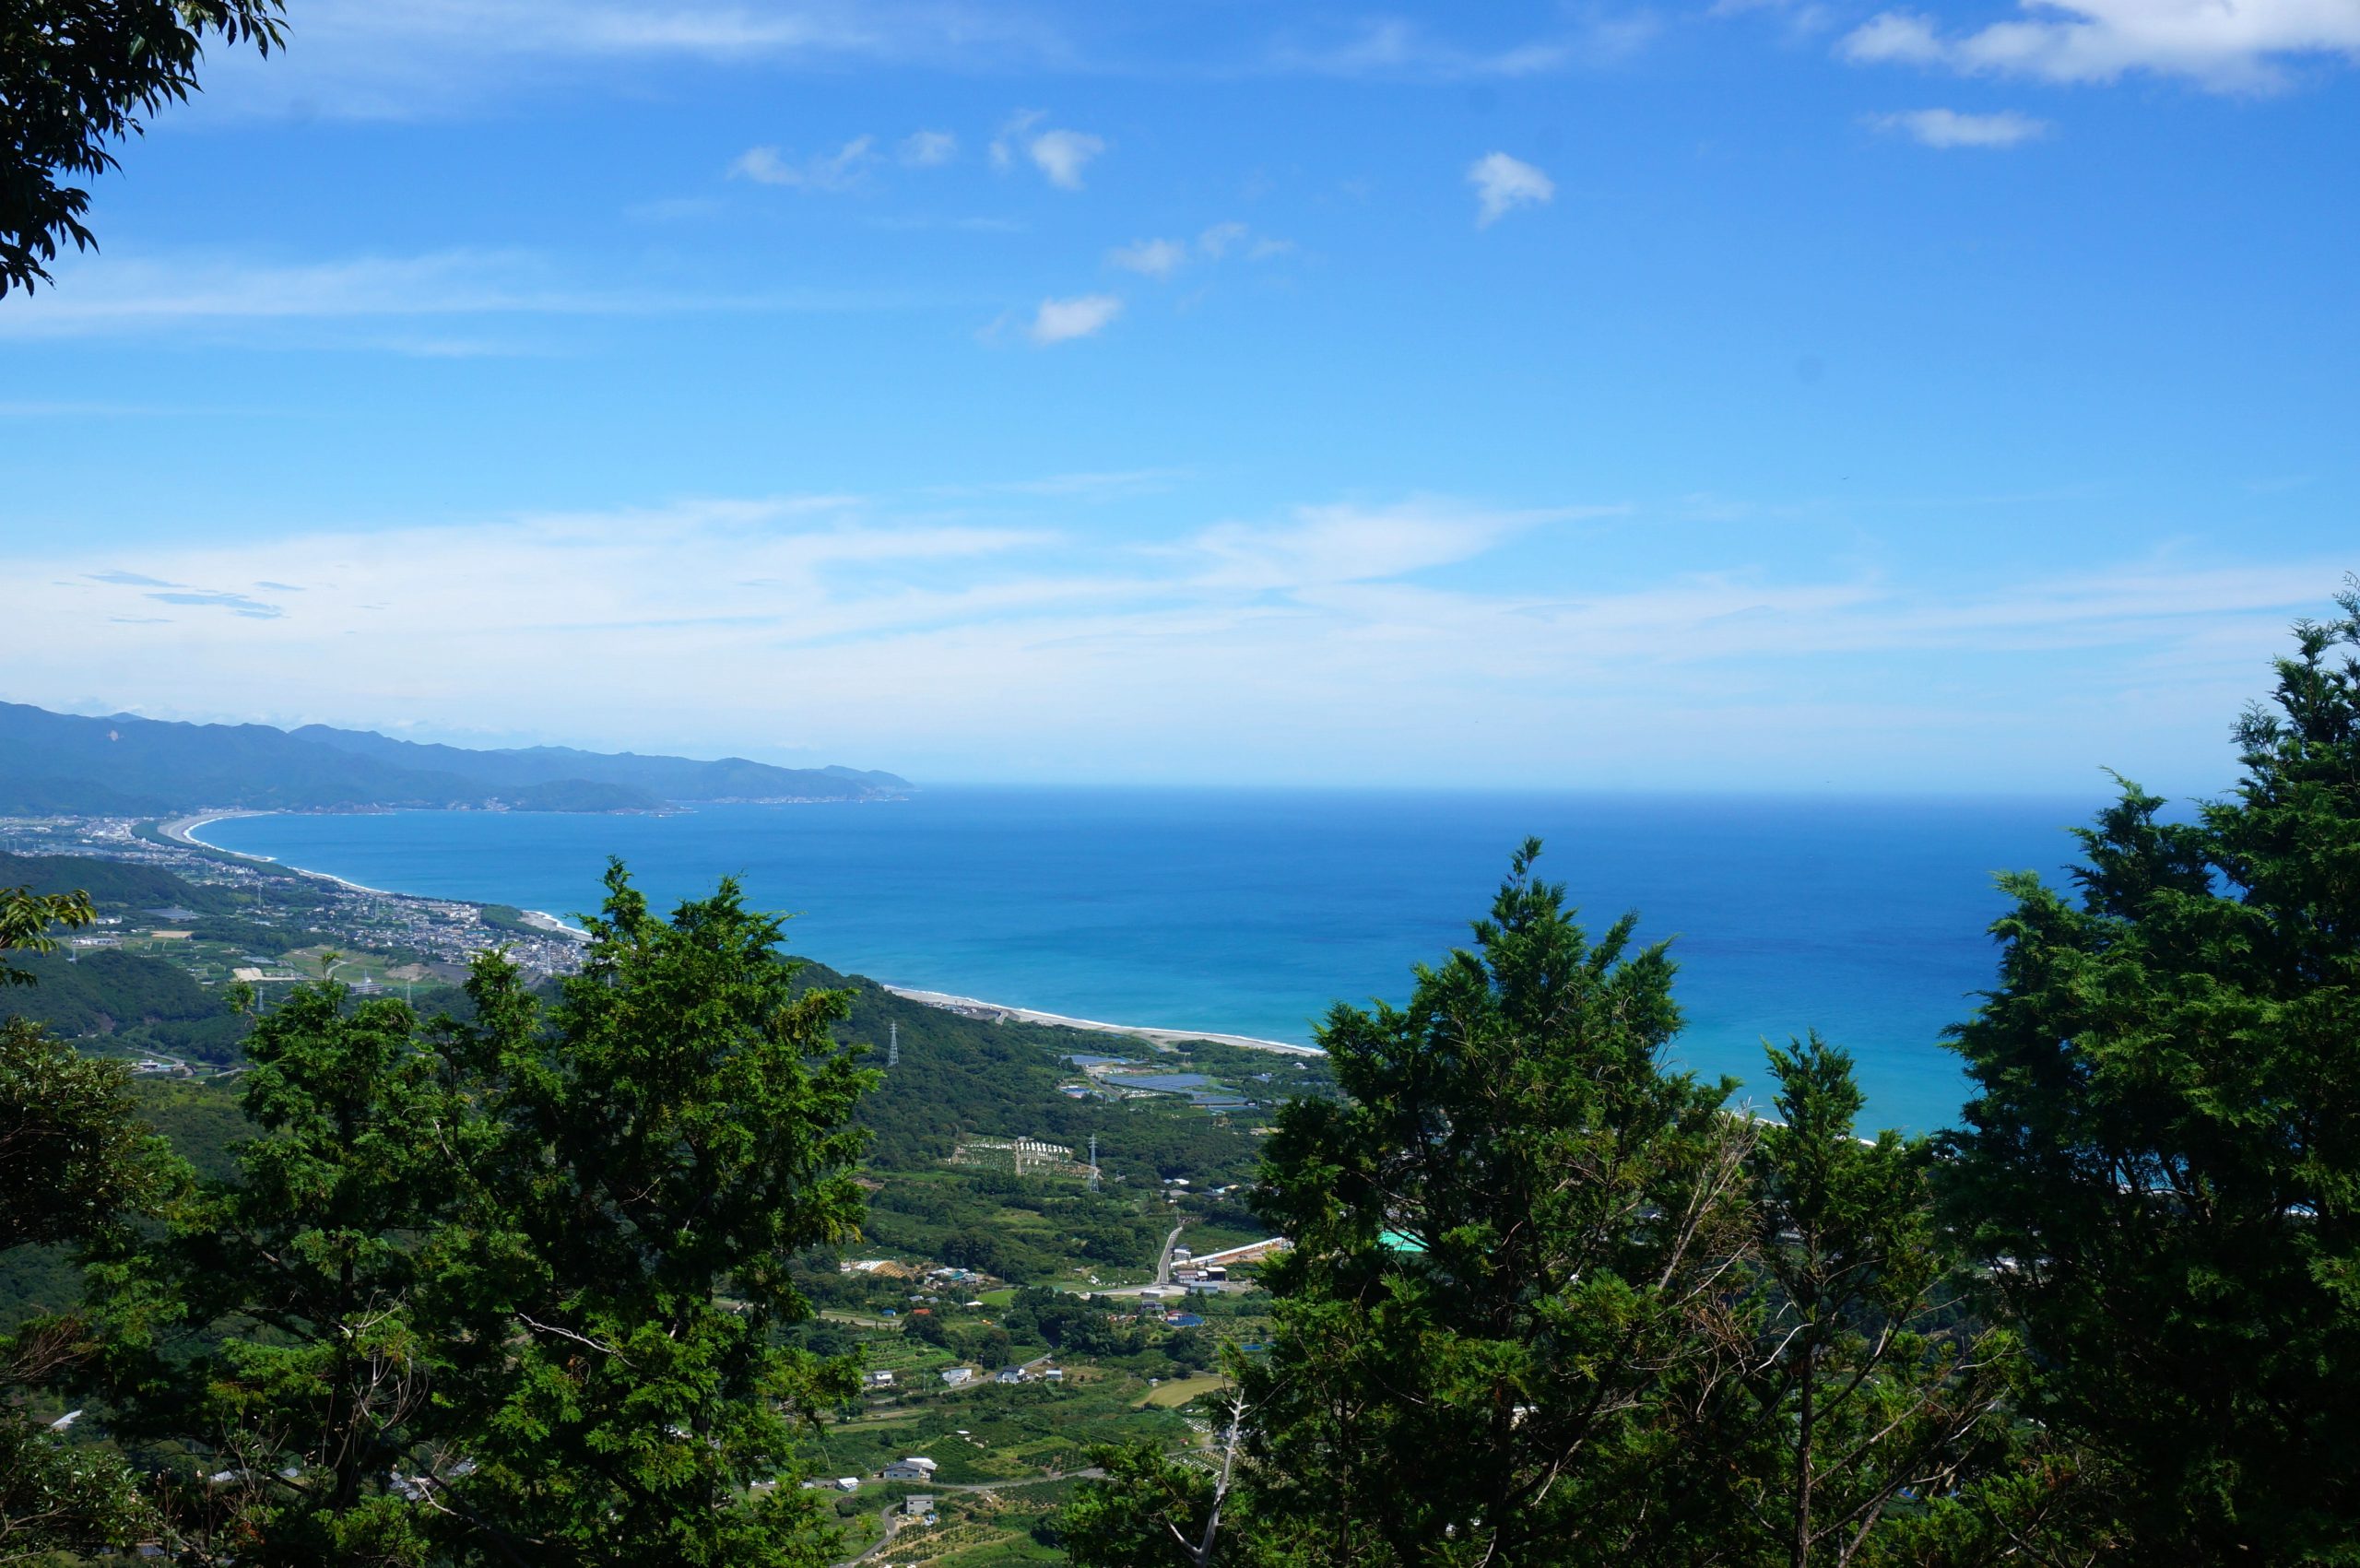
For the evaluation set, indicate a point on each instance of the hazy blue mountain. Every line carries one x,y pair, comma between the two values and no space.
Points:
668,778
66,763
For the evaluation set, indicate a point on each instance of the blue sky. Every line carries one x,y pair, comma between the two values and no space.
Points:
1751,395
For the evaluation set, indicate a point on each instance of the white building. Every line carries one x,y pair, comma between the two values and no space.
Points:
881,1378
956,1376
914,1468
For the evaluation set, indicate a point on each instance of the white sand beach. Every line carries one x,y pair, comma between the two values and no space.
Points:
974,1007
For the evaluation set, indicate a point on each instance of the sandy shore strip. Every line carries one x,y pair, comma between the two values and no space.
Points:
184,830
972,1008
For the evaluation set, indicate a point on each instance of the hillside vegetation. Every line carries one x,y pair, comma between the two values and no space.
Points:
124,766
593,1273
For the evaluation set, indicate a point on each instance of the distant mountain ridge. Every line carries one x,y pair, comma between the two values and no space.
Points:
67,764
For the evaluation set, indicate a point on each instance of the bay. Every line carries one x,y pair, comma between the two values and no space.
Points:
1251,912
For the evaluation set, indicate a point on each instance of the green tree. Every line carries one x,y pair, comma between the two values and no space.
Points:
268,1342
1510,1241
2161,1161
660,1150
77,76
73,1162
74,1155
25,919
1150,1511
1869,1388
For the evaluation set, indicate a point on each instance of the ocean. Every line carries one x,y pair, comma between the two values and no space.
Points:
1251,912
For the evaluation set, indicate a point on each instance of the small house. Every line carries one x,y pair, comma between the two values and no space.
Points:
916,1506
914,1468
881,1378
1009,1374
958,1377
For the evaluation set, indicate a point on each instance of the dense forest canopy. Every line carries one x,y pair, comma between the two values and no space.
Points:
1548,1300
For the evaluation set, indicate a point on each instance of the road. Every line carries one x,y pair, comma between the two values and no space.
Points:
893,1522
1163,1261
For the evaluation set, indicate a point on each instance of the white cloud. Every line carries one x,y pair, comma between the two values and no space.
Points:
369,59
1327,546
1156,258
124,295
1061,321
1221,238
1004,146
837,170
928,149
1393,49
1504,183
2222,44
1062,156
1424,640
1893,36
1162,258
1949,128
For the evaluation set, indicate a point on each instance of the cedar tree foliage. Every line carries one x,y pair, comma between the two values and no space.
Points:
2160,1163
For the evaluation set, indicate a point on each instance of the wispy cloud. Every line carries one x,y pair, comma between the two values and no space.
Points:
1327,546
1153,258
2225,45
134,294
1429,639
1060,154
1063,155
365,59
236,604
1504,183
1395,48
837,170
928,149
1950,128
1162,258
1084,315
1106,486
1223,237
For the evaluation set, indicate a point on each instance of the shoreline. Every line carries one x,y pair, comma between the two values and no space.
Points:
976,1007
182,831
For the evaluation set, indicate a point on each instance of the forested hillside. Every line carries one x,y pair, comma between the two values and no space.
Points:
123,765
130,1001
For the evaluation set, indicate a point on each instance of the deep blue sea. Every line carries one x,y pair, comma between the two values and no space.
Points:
1250,911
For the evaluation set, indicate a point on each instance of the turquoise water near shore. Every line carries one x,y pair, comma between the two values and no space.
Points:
1250,911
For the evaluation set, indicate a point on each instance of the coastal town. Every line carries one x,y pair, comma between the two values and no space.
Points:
389,937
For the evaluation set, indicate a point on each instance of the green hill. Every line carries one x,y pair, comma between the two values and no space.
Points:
64,763
661,778
127,1000
114,886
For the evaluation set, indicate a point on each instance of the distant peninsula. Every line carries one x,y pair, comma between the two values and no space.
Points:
64,764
